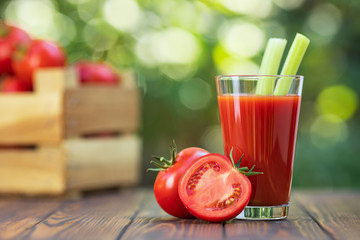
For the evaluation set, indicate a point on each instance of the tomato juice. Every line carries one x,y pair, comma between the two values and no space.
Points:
264,129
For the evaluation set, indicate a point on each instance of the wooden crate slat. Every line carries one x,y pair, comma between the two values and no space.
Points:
55,79
91,110
33,171
30,119
96,163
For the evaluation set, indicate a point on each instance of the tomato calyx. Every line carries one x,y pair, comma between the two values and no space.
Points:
243,170
20,51
163,163
4,29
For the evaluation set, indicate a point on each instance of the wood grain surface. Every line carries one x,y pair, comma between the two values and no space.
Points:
96,163
299,225
134,214
32,171
337,213
29,119
19,217
101,109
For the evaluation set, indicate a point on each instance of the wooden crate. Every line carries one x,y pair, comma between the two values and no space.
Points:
53,119
33,171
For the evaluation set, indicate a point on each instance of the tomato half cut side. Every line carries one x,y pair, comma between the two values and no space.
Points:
213,190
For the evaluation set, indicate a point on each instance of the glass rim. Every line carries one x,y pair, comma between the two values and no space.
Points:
259,75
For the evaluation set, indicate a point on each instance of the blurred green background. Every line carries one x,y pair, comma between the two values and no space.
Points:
177,47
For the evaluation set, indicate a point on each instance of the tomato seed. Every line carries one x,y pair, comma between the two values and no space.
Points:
228,201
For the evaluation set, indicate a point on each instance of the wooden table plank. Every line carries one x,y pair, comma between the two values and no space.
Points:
17,215
153,223
134,214
338,213
297,226
94,217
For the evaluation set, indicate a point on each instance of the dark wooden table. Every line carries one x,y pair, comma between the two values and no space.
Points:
134,214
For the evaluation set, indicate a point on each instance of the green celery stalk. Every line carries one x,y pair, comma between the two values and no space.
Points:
292,63
270,65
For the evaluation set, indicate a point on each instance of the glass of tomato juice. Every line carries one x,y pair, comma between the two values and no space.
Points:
262,130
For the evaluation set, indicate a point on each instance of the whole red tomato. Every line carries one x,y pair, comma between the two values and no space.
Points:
37,54
167,180
12,84
97,73
10,38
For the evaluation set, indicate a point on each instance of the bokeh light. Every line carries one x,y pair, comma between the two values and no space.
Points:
124,15
328,130
338,100
31,14
207,20
41,20
168,46
228,64
175,45
185,16
256,8
87,9
195,94
143,48
98,35
78,1
178,72
242,38
325,20
233,66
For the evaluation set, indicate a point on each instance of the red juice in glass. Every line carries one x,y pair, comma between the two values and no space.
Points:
263,129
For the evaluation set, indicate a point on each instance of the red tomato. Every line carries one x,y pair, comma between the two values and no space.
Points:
12,84
213,190
166,183
37,54
10,38
97,73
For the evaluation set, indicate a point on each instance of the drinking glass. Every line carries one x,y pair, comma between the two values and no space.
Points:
262,129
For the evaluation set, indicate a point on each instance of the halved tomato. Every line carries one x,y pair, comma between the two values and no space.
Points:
213,189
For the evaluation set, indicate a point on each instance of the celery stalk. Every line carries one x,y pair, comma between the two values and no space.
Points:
270,65
292,63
